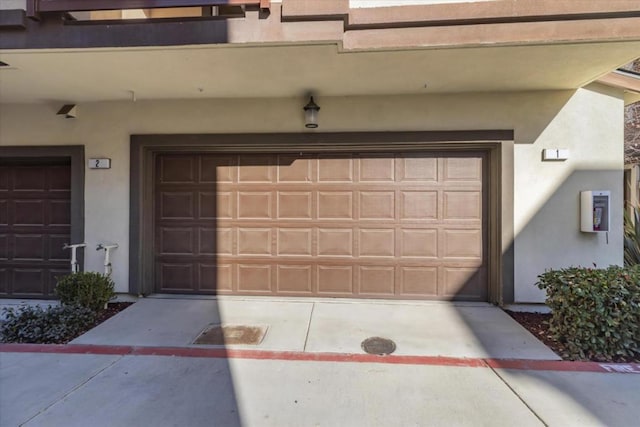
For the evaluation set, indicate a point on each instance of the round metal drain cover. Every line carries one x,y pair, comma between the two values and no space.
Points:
377,345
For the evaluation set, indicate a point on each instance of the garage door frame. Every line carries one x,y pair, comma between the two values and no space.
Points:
74,153
495,143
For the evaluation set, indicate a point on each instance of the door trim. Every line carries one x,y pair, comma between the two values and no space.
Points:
497,143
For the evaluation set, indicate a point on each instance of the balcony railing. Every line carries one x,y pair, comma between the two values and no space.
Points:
35,8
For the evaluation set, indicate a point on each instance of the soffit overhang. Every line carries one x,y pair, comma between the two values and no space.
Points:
325,47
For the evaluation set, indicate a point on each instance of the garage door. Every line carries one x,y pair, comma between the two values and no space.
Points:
393,225
35,218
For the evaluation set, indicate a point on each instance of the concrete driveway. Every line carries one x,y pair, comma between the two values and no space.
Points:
455,365
473,330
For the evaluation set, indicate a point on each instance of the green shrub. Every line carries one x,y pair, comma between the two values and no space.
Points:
51,325
92,290
595,312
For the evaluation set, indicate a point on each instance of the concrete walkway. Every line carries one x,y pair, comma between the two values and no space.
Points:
327,326
140,368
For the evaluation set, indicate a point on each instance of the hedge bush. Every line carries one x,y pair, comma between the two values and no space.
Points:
51,325
88,289
595,312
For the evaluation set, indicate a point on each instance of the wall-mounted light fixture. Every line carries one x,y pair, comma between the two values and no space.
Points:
69,111
311,114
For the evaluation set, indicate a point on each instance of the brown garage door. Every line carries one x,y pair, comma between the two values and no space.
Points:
360,225
35,218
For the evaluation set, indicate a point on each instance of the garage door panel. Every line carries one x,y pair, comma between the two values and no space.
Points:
4,282
462,244
295,205
177,169
463,282
59,179
4,247
176,205
385,226
335,169
295,242
224,241
4,179
335,279
335,242
176,241
254,278
29,212
417,169
378,281
294,279
176,276
465,169
419,243
4,212
418,281
218,168
462,205
224,207
254,241
377,242
29,281
208,204
377,170
255,204
292,169
418,205
256,169
29,179
29,247
55,244
377,205
335,205
212,277
59,213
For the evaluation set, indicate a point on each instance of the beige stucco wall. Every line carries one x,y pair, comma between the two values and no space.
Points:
588,122
546,199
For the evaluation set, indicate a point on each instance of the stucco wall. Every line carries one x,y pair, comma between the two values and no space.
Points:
547,222
589,122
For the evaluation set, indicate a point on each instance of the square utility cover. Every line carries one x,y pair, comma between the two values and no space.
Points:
232,334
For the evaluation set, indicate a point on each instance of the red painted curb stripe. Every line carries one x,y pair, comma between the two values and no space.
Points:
545,365
117,350
518,364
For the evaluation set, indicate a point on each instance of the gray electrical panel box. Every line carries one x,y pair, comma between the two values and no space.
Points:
594,211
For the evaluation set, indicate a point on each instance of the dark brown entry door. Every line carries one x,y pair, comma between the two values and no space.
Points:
394,225
35,222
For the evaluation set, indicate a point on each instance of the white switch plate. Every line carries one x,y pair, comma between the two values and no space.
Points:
99,163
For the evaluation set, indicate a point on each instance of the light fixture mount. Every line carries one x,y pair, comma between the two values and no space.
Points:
69,111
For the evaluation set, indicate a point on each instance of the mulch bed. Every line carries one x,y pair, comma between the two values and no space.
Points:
537,324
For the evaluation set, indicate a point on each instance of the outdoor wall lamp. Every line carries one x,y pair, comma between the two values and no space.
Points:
311,114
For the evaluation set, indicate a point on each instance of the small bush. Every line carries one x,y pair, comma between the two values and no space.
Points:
51,325
92,290
595,312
